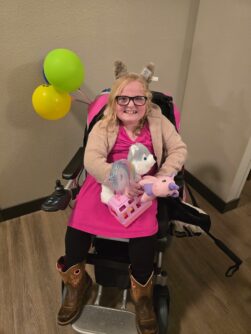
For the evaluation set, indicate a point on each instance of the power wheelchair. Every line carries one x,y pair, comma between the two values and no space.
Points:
110,256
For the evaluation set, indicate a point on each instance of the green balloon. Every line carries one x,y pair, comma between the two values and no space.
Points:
64,70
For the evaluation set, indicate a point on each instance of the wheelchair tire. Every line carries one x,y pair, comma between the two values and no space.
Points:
161,304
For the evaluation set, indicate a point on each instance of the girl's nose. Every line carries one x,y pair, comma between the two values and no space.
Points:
131,103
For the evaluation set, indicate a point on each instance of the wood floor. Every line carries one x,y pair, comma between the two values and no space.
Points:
203,300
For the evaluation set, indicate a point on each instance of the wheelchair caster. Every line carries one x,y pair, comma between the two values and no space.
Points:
161,299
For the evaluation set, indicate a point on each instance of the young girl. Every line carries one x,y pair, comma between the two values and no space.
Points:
130,117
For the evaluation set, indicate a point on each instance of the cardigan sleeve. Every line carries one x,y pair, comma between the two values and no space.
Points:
174,149
95,157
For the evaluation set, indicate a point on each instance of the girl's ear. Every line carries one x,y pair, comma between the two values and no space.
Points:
120,69
147,72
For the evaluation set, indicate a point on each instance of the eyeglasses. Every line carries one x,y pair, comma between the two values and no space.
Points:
125,100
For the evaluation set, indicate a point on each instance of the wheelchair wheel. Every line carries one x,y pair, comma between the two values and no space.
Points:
161,304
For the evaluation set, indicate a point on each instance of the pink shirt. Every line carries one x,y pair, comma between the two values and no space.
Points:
92,216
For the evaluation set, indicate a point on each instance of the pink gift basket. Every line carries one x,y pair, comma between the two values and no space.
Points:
125,209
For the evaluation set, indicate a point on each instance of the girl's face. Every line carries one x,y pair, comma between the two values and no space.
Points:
131,114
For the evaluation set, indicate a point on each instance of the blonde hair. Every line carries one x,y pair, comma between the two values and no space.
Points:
110,119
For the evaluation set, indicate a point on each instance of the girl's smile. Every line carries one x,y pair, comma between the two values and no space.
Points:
130,111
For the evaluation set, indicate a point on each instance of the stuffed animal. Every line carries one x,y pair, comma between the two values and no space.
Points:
140,159
138,163
161,186
123,172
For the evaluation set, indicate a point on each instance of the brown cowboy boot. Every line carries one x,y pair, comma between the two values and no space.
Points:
142,295
77,283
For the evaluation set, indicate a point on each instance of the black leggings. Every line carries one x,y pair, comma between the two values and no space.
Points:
141,252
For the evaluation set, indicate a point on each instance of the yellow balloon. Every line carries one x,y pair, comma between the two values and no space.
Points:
49,103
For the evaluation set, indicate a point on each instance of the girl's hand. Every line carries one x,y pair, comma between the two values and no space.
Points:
134,190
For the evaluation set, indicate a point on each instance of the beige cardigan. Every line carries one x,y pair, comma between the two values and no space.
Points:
169,149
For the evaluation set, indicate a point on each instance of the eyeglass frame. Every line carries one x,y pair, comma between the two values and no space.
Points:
131,98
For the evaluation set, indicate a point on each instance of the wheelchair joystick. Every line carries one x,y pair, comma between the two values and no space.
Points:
59,189
58,200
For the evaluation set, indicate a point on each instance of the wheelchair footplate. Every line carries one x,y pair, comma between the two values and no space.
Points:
96,319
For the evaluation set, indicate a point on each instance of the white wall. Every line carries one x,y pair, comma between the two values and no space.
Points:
216,118
34,151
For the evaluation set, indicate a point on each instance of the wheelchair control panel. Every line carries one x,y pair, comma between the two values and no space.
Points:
58,200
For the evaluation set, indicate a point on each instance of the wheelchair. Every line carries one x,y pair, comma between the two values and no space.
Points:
110,256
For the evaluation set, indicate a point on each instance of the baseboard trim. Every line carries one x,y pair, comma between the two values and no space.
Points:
21,209
209,195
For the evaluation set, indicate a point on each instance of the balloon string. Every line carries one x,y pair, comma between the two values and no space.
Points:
86,98
78,100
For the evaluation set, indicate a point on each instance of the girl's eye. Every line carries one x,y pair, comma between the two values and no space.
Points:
163,180
139,99
123,100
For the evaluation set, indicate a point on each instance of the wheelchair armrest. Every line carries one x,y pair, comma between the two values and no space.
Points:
73,168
